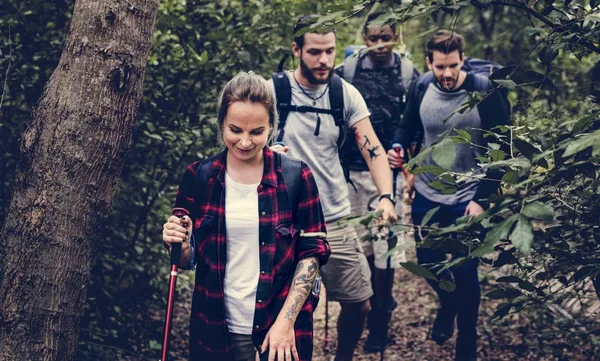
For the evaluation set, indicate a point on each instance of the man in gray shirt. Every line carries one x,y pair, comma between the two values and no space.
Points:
311,135
433,98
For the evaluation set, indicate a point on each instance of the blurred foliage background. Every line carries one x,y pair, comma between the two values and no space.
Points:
200,45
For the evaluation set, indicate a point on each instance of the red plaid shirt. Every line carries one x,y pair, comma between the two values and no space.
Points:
281,247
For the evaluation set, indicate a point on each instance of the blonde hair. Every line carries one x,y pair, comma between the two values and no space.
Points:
248,87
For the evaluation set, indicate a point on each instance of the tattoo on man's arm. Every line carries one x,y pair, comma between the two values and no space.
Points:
366,144
304,277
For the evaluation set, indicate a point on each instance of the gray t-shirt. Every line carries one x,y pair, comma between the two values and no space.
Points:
321,152
436,106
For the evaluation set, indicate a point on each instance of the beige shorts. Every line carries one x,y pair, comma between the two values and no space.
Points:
347,276
365,198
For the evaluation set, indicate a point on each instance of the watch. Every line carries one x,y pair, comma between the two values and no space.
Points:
388,196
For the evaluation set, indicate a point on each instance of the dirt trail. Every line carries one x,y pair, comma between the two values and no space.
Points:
516,337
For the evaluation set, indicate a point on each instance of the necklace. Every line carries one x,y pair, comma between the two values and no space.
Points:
305,93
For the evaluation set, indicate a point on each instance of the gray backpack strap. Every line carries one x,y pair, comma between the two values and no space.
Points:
350,64
407,68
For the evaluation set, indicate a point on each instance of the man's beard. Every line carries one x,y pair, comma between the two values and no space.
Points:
309,75
442,83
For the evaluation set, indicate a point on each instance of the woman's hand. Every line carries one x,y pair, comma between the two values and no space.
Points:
281,342
177,230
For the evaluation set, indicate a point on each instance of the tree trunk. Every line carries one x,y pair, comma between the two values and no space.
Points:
71,157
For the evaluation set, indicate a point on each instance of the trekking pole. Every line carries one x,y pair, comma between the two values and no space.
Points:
326,337
398,147
175,258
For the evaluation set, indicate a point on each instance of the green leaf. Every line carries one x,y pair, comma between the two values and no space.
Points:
155,136
584,122
497,155
502,310
584,142
443,187
585,272
511,177
430,213
204,57
501,230
463,134
527,286
522,235
539,210
244,56
434,169
448,286
155,345
419,157
509,279
504,292
444,154
548,54
531,30
497,233
529,151
418,270
496,294
507,83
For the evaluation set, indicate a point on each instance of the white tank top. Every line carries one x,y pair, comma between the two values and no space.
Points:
243,255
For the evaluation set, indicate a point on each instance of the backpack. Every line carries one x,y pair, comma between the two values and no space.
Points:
406,66
291,170
283,93
481,68
486,68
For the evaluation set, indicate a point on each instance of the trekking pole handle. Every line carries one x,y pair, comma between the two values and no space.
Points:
176,247
398,147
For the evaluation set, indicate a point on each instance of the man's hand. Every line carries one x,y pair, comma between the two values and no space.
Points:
281,342
389,212
392,157
278,148
473,209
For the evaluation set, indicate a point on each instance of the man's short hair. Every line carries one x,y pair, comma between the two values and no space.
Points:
444,41
373,17
306,21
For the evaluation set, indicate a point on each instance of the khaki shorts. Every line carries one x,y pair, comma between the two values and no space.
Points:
365,198
347,276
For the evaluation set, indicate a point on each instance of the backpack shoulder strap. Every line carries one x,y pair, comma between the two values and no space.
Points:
481,83
291,170
283,93
407,68
350,65
203,171
336,101
421,85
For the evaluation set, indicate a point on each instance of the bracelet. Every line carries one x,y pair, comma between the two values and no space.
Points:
388,196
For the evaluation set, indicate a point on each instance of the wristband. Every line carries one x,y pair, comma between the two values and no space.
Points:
388,196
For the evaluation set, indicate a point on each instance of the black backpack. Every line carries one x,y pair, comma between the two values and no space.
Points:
283,93
486,68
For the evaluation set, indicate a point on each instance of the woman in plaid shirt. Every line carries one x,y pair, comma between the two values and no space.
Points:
256,255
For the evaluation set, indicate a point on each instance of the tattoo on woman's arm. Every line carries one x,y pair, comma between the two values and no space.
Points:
302,283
